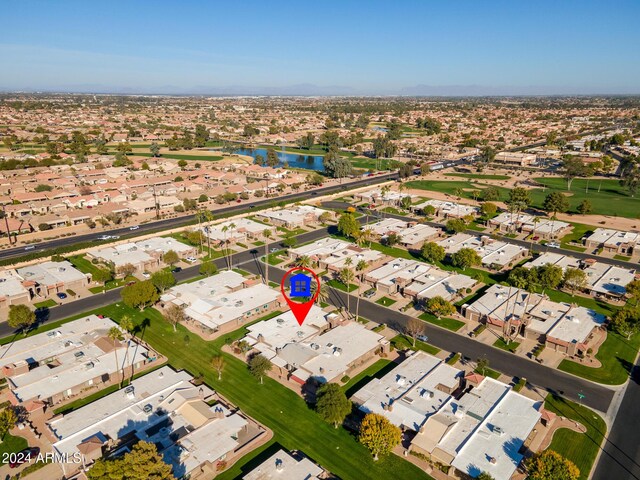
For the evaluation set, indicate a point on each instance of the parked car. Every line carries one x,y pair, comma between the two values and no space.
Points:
423,338
146,274
369,293
61,295
273,249
177,269
536,238
191,259
23,456
135,227
553,244
130,283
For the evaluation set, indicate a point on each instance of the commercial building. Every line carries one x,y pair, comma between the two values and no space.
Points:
282,464
292,217
563,327
446,209
413,391
494,253
613,241
165,408
73,359
516,159
482,431
313,350
48,278
223,301
418,280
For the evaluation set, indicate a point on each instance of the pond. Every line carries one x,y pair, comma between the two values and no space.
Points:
294,160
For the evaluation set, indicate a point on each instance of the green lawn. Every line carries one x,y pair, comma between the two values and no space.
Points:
488,372
448,323
377,370
341,286
46,304
385,301
617,355
577,233
272,404
82,264
11,444
581,449
511,347
612,199
401,342
479,176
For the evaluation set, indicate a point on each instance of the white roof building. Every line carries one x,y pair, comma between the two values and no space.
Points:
221,298
375,196
243,227
283,465
52,273
161,245
11,285
492,252
483,431
333,253
162,407
448,209
297,215
417,388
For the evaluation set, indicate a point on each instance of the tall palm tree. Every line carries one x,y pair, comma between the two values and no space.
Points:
126,323
225,229
208,218
360,267
114,334
232,227
267,236
346,276
536,220
323,293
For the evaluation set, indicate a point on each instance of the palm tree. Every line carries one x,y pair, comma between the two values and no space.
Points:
225,229
360,267
267,235
346,276
114,334
323,293
303,261
126,323
536,220
232,227
366,236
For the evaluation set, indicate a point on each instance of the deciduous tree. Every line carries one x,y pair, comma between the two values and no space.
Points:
140,295
259,365
550,465
378,434
21,316
332,404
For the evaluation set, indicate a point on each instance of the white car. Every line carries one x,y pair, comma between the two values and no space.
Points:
191,259
135,227
146,274
553,245
423,338
104,237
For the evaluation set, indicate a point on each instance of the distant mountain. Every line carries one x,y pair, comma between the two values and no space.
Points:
483,90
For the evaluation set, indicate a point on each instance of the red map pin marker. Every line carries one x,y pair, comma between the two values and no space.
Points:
300,310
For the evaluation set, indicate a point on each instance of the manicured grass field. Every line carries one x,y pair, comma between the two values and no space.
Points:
272,404
11,444
448,323
488,372
617,355
46,304
511,347
177,156
581,449
479,176
385,301
400,342
612,199
377,370
341,286
82,264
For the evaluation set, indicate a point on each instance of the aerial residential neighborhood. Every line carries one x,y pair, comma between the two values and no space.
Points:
358,241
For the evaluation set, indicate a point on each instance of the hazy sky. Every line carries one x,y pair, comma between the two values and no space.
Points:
371,46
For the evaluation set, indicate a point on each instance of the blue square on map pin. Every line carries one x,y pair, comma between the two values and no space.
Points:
300,285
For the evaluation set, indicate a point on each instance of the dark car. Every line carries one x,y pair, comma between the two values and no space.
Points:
177,269
61,295
24,456
133,282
